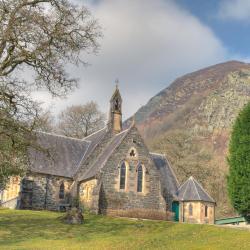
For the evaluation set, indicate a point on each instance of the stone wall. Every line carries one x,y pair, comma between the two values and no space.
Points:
93,156
44,191
210,219
112,197
117,125
198,212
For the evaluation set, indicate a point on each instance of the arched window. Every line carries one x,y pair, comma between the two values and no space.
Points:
61,191
190,209
117,105
123,176
139,178
206,211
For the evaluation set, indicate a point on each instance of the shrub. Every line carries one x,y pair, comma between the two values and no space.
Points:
73,216
142,214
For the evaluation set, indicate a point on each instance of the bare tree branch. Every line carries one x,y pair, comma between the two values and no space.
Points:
42,36
81,120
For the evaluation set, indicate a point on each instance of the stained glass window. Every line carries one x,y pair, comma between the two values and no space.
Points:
190,209
206,209
61,191
123,176
139,178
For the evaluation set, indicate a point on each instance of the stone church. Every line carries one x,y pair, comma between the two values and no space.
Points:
109,172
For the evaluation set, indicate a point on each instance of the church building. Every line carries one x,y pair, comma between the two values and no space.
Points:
109,172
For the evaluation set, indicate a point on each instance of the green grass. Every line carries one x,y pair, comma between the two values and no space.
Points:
44,230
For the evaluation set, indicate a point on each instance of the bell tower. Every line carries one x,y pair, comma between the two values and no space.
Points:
115,113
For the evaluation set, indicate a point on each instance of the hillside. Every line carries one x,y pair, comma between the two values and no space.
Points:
23,229
190,121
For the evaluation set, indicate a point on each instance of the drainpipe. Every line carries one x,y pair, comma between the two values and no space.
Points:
183,211
46,192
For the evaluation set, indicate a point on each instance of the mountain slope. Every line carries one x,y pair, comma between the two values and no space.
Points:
190,121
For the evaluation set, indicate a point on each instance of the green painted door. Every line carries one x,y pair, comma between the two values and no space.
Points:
175,209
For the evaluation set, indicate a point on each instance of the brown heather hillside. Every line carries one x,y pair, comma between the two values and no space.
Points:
190,121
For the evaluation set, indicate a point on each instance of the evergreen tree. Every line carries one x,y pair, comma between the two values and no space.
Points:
239,162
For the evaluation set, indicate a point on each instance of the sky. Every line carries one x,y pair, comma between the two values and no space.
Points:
149,43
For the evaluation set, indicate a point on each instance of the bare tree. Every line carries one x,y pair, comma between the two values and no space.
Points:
45,122
81,120
40,37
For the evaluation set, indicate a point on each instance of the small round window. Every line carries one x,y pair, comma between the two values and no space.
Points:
132,153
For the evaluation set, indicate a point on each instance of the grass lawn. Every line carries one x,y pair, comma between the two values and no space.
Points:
44,230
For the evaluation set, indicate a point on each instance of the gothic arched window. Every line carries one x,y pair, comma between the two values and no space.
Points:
206,211
139,178
123,176
190,209
61,191
117,105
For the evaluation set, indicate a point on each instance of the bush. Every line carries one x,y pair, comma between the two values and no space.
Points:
142,214
73,216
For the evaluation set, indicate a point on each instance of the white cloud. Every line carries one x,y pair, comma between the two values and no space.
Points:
235,10
146,45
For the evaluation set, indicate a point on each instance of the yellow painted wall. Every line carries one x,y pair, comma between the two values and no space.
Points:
12,189
86,192
210,215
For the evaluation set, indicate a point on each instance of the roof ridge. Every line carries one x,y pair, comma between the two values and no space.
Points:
63,136
185,192
182,184
123,131
116,145
80,162
204,190
94,133
110,153
171,169
91,151
192,179
153,153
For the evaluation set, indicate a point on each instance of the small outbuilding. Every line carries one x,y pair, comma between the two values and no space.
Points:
193,204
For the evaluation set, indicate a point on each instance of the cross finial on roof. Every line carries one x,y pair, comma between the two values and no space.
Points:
117,83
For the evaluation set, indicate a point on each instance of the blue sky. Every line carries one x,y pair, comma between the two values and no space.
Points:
233,32
149,43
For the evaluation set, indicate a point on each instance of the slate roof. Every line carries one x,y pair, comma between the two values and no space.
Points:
168,179
60,155
93,139
104,156
57,155
191,190
63,156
